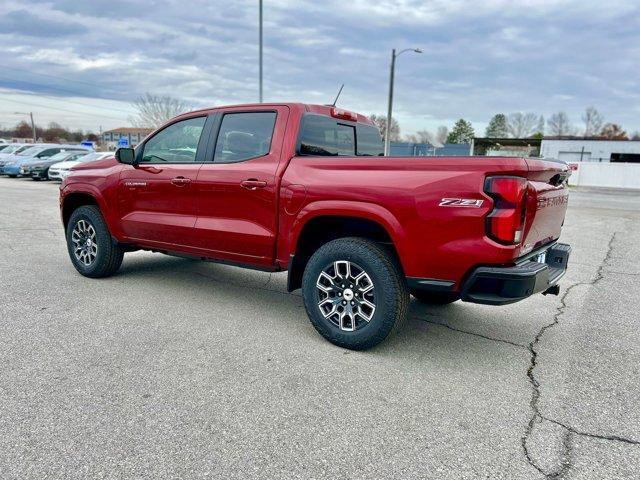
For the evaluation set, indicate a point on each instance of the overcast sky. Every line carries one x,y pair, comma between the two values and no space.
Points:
81,63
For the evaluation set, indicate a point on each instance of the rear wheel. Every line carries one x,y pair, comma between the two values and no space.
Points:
434,298
91,249
354,292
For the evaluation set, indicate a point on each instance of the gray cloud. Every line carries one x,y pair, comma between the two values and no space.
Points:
24,23
479,57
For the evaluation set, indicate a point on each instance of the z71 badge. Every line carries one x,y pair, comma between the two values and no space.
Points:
461,202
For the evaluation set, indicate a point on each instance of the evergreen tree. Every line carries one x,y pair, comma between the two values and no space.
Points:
497,127
462,132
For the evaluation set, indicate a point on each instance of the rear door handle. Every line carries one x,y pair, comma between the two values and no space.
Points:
180,181
253,184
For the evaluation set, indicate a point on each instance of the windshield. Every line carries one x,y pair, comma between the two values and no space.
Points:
15,148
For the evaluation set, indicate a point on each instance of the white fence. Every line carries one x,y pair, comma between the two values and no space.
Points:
611,175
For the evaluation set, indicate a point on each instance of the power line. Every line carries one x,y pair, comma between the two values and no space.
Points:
58,108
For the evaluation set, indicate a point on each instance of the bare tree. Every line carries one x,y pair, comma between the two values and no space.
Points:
154,110
540,127
522,125
593,121
424,136
559,125
441,134
381,123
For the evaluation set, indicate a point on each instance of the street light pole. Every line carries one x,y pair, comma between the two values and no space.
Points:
387,136
260,54
394,55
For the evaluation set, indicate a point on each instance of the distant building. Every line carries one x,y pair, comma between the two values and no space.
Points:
591,150
133,135
410,149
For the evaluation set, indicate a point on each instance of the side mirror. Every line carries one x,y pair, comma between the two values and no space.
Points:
126,156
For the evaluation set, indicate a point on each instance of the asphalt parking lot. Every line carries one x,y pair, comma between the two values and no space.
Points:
176,368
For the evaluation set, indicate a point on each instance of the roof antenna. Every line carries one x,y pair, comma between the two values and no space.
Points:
338,95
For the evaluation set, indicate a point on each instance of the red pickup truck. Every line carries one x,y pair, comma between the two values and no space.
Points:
306,188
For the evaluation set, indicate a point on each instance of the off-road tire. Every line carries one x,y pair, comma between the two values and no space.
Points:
391,293
109,254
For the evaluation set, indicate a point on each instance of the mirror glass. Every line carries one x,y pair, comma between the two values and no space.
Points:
126,156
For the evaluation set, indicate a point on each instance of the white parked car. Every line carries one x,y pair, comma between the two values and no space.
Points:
60,171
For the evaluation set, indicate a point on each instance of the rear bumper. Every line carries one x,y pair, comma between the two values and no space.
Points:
504,285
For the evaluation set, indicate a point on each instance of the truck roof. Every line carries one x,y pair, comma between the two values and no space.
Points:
304,107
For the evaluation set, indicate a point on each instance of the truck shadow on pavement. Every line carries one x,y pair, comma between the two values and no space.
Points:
454,324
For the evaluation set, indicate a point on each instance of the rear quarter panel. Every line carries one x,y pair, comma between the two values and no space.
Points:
403,194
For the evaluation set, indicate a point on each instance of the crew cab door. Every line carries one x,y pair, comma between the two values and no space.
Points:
157,197
237,185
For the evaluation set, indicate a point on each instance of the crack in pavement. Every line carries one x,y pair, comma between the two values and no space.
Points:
537,416
575,431
486,337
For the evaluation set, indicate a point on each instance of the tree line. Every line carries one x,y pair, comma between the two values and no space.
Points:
54,132
514,125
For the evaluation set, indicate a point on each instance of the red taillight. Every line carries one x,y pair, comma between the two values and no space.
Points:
344,114
505,224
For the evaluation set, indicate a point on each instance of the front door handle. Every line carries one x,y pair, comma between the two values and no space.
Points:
253,184
180,181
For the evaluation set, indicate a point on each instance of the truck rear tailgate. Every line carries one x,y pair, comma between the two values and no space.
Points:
548,196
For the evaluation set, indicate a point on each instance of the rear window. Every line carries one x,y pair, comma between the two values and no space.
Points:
326,136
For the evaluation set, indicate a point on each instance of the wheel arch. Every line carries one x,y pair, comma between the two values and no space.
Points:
314,228
72,200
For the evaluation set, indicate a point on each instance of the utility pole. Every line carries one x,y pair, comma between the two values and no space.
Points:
33,128
33,125
260,54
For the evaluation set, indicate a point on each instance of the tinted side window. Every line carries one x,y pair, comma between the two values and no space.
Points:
322,135
244,136
369,140
177,143
49,152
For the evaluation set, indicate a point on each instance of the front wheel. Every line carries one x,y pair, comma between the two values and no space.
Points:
354,292
91,249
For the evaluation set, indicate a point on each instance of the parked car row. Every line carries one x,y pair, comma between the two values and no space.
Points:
44,161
